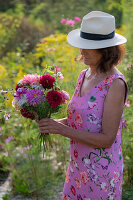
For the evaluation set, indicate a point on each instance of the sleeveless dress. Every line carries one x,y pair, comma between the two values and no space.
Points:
93,173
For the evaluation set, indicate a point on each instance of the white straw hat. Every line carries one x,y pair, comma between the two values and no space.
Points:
97,31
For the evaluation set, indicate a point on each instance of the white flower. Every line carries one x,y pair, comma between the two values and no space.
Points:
35,86
15,104
23,100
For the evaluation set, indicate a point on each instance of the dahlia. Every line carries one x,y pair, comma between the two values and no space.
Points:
27,114
46,81
19,92
30,78
19,85
65,96
54,98
35,96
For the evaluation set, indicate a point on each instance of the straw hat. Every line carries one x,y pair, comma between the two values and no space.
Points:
97,31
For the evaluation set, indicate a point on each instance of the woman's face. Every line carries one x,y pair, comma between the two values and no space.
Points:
90,56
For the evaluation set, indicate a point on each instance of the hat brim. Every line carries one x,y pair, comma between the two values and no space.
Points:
75,40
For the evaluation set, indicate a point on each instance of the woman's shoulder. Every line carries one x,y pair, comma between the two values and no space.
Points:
117,72
118,84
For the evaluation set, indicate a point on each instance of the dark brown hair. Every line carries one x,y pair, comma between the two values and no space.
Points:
111,56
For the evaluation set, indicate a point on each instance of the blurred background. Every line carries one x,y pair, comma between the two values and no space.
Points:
32,36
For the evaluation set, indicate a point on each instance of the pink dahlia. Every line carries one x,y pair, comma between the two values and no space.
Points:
46,81
54,98
30,78
65,96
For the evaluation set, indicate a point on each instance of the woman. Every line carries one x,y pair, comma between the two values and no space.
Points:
94,114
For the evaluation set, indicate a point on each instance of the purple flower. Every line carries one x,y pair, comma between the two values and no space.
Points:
9,178
124,124
24,155
28,147
7,116
35,96
19,92
9,139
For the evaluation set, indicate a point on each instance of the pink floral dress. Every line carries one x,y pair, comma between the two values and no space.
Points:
93,173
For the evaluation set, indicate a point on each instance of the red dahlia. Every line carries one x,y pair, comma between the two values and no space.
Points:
46,81
27,114
19,85
54,98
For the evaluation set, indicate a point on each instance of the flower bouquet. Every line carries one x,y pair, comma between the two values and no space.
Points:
38,95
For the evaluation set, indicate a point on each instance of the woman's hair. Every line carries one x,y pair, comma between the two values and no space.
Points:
111,56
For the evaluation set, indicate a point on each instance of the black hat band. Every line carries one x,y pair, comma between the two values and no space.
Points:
92,36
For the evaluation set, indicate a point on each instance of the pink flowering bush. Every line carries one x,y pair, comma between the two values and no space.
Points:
70,22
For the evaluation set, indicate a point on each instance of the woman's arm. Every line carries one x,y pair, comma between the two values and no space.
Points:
113,109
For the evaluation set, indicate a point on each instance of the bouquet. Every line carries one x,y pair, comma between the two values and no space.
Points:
39,95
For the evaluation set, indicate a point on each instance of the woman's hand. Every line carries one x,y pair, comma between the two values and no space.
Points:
48,125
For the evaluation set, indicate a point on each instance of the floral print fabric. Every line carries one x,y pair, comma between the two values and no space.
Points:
93,173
